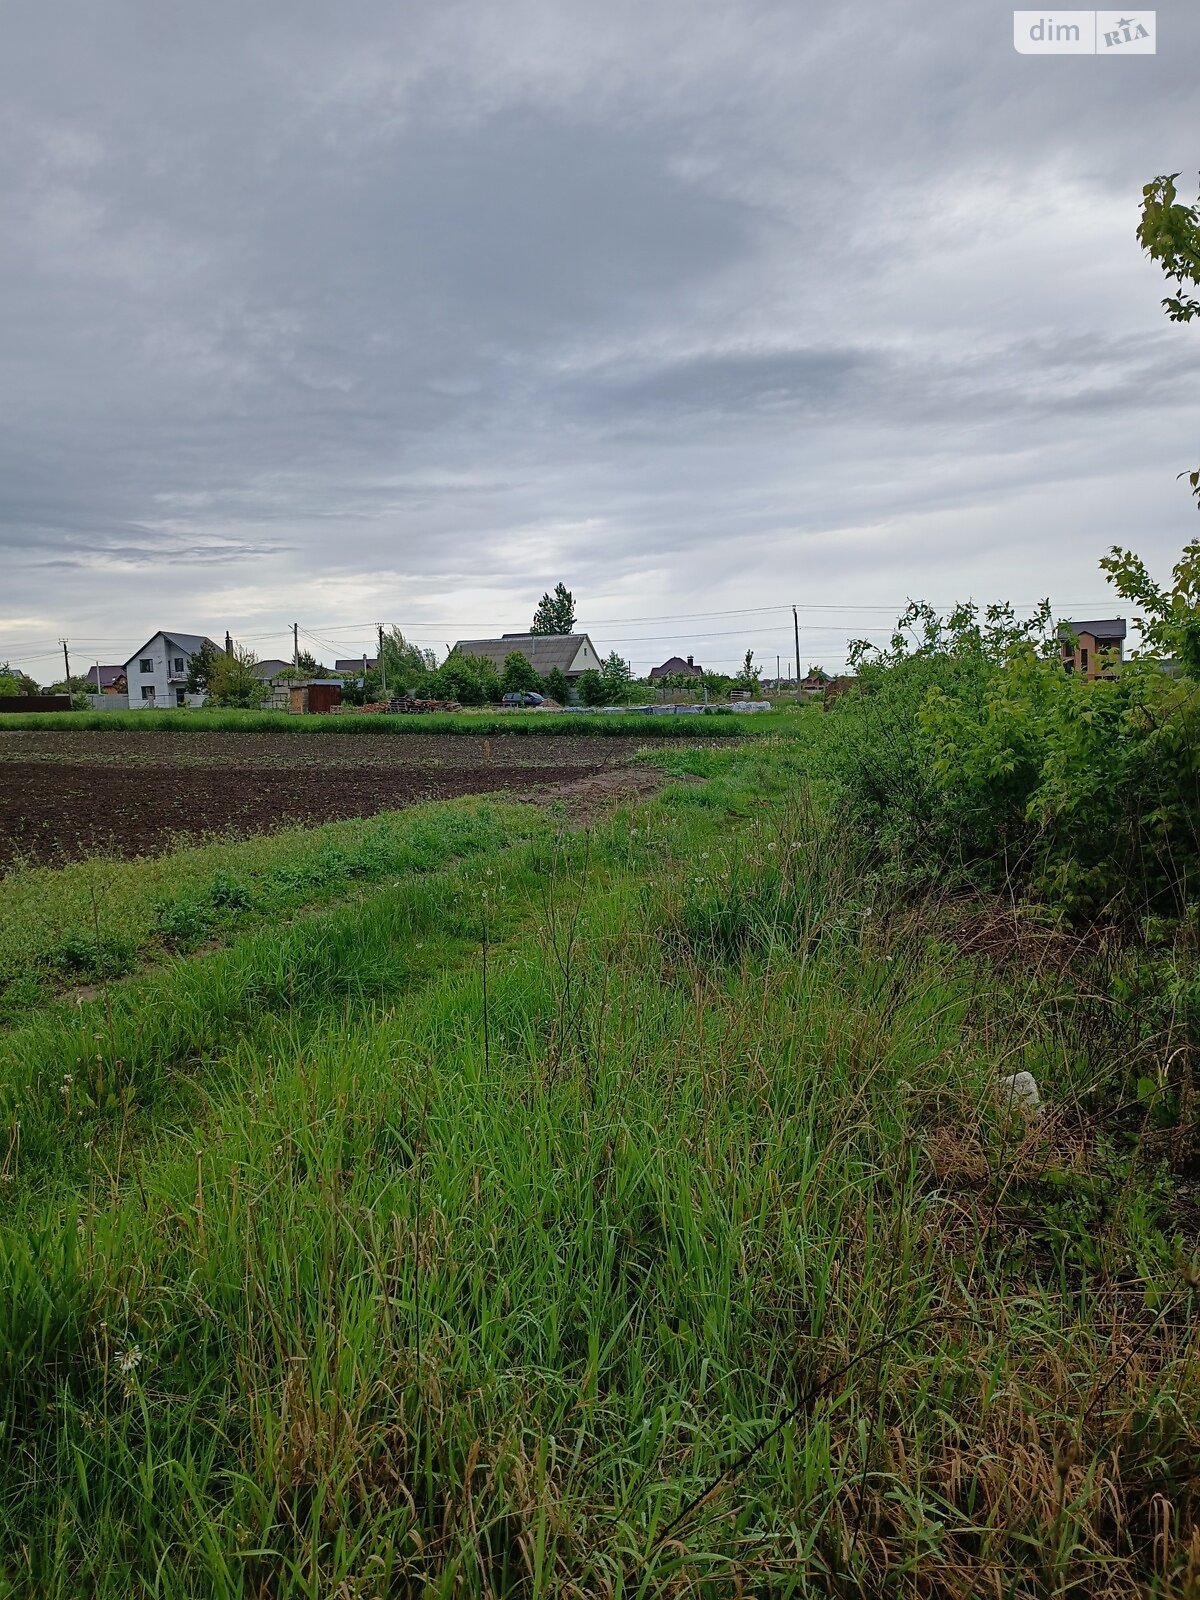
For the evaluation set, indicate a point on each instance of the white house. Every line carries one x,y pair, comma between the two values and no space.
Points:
157,673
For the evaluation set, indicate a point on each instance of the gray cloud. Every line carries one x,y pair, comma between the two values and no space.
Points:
405,312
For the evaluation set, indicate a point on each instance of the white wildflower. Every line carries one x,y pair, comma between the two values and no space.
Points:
128,1359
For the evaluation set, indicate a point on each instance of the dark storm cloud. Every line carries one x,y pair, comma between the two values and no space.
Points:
132,555
386,309
829,386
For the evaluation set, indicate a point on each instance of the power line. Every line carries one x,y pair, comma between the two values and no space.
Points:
852,617
895,608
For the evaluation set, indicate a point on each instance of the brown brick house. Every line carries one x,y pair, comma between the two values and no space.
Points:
676,667
1093,649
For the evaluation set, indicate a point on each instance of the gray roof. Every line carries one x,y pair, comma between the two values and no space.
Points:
189,643
1107,628
545,651
355,664
270,669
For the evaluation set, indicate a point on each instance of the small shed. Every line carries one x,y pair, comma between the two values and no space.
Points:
316,695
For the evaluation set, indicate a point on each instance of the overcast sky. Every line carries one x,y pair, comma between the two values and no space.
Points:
389,312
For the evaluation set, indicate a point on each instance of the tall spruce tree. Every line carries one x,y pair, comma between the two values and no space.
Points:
555,612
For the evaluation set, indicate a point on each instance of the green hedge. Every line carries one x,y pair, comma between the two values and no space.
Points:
566,724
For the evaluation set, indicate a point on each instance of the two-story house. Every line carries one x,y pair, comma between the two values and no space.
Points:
157,673
1093,649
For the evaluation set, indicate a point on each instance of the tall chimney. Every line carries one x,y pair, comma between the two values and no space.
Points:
228,643
690,662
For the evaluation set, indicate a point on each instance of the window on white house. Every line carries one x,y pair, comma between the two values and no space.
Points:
146,664
148,691
178,663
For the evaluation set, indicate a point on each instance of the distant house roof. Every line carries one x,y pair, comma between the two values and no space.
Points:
1108,628
355,664
270,669
570,653
674,666
189,643
108,675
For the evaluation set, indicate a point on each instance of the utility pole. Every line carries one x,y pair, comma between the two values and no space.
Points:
382,668
296,645
796,625
66,663
776,672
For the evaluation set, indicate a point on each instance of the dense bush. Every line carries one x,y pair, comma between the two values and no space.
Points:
556,686
974,754
471,680
591,688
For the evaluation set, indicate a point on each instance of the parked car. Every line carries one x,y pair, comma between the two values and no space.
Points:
525,698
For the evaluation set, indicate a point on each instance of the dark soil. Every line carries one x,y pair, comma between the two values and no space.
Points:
75,794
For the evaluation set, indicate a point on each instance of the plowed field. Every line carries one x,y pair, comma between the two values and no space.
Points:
65,795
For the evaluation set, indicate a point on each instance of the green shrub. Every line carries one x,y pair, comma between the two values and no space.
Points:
471,680
82,955
185,923
975,756
228,893
556,686
591,688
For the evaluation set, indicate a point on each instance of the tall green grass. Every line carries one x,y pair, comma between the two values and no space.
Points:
663,1232
100,918
489,724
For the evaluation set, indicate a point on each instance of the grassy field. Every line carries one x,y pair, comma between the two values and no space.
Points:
103,917
629,1210
727,724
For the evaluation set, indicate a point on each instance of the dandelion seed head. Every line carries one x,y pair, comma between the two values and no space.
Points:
129,1359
